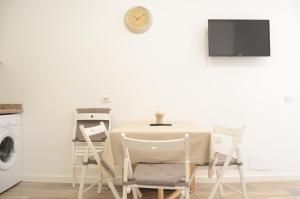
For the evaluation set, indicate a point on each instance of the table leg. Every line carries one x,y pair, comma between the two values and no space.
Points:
160,194
175,194
193,181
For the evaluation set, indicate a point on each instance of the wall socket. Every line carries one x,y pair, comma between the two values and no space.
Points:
105,100
288,99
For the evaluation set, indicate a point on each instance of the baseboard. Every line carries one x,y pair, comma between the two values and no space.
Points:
54,178
46,178
62,179
199,178
251,178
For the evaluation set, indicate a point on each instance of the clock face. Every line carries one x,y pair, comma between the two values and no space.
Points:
138,19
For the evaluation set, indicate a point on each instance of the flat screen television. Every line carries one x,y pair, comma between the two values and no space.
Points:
238,37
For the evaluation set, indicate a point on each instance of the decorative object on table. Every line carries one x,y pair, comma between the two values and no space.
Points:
138,19
159,120
159,117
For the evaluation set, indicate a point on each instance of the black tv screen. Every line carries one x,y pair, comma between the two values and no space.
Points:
239,37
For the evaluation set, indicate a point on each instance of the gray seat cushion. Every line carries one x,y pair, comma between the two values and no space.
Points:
93,110
92,160
222,157
100,137
94,138
159,175
221,160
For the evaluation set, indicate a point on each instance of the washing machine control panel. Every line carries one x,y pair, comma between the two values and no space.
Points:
9,120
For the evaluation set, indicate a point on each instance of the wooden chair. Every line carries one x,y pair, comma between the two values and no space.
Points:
95,159
88,117
232,160
156,175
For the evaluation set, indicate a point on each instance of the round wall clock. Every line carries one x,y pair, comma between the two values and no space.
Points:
138,19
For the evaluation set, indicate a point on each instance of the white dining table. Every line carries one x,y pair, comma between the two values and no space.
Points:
200,141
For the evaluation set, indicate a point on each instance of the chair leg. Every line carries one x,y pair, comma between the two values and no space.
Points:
73,170
221,191
73,176
139,193
134,193
182,195
113,189
214,189
160,193
187,193
124,192
82,181
243,182
100,184
220,177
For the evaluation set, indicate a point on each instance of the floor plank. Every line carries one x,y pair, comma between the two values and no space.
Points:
262,190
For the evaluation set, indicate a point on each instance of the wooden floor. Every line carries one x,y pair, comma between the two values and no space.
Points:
264,190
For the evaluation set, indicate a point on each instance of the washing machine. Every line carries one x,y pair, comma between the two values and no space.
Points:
10,151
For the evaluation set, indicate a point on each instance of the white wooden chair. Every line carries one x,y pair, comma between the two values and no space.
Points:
95,159
87,117
231,159
156,175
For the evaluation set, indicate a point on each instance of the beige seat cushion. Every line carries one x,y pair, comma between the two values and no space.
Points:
159,175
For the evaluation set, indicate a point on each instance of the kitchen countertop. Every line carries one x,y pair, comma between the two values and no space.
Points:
11,108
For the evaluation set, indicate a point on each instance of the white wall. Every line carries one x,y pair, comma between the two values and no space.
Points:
63,54
1,29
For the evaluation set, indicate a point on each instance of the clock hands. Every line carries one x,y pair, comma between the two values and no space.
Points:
138,18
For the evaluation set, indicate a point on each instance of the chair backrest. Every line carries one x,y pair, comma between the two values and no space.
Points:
88,132
235,133
89,117
157,146
236,138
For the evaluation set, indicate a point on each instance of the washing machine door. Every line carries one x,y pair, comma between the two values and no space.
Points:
7,149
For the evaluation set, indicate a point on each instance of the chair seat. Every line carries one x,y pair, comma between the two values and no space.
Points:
221,160
92,160
170,175
94,138
100,137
